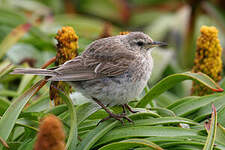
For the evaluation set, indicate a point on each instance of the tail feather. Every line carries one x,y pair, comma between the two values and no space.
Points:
43,72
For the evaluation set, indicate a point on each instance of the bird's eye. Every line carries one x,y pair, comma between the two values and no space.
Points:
140,43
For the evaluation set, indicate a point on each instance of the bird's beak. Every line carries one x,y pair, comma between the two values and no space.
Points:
156,44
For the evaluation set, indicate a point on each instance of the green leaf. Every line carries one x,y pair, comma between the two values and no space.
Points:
8,93
212,132
27,145
31,124
10,17
41,104
4,104
165,99
10,116
205,111
180,101
172,80
184,144
163,111
182,140
163,121
221,115
145,131
191,106
5,68
85,110
129,144
13,37
25,83
94,135
72,138
220,134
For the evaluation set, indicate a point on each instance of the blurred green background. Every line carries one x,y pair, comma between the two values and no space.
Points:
176,22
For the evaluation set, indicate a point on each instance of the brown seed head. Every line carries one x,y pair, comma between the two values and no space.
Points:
51,135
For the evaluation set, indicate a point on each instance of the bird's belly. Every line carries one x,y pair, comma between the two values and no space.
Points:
114,90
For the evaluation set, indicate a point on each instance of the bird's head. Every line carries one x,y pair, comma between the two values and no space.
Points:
140,41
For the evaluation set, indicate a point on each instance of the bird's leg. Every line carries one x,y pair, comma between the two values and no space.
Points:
128,107
124,109
118,117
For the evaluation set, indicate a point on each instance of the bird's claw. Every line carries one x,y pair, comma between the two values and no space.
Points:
118,117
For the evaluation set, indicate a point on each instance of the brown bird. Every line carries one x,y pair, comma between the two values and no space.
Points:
111,71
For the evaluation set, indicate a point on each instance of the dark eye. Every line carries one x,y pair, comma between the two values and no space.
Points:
140,43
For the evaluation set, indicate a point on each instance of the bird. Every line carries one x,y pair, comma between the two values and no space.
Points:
110,71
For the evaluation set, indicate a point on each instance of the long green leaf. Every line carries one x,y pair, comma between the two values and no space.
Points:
172,80
164,120
25,83
185,139
212,132
180,101
190,106
145,131
221,114
220,134
94,135
4,104
205,111
5,68
129,144
10,116
85,110
72,138
13,37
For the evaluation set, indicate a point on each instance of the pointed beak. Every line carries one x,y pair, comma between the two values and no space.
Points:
160,44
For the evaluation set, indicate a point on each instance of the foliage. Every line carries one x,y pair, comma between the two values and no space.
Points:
167,118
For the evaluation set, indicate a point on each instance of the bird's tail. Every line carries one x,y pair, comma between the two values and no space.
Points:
34,71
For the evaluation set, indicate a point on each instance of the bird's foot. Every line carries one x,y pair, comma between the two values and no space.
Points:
118,117
128,107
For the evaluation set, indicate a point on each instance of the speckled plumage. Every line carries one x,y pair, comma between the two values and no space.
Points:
113,70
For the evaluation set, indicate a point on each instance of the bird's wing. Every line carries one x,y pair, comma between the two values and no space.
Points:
96,62
73,70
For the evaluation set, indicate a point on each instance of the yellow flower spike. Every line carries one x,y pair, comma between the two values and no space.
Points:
207,58
67,49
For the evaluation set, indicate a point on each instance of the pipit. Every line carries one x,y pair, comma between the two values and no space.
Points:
111,71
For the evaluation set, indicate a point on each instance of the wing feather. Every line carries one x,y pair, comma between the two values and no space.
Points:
97,61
